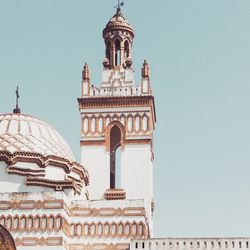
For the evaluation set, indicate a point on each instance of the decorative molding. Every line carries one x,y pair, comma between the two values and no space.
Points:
35,241
51,223
58,241
107,134
31,204
99,246
92,143
30,223
115,194
138,124
35,177
56,184
71,211
122,101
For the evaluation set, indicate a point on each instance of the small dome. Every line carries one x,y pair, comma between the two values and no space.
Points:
23,133
118,23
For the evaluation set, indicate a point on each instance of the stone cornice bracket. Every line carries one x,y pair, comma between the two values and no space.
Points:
36,176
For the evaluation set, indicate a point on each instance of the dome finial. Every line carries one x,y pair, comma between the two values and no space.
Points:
17,109
120,4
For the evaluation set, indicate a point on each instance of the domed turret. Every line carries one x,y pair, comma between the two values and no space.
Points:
118,36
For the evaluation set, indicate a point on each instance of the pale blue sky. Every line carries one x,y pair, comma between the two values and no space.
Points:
199,53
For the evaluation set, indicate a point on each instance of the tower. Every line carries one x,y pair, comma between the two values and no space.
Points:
117,122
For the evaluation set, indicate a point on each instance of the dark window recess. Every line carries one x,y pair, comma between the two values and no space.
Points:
115,143
117,52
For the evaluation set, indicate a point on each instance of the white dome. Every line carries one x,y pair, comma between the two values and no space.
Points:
23,133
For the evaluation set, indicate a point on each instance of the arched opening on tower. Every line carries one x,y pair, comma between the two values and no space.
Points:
117,52
126,49
108,51
115,157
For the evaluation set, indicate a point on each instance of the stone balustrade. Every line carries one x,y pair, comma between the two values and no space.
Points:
115,91
191,244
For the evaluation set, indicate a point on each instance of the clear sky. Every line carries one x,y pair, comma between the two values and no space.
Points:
199,53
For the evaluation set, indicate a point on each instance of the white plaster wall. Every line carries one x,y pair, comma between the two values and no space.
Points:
15,183
54,173
96,159
137,174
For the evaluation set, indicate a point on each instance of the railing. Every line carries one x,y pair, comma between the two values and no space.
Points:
191,243
115,91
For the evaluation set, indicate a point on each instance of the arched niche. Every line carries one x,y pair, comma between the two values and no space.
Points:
108,131
6,240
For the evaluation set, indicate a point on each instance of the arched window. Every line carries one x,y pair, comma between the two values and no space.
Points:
115,143
126,49
117,52
108,51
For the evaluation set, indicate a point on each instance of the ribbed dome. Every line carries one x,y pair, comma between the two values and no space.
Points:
118,22
23,133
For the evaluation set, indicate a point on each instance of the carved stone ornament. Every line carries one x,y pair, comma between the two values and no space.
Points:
35,177
6,240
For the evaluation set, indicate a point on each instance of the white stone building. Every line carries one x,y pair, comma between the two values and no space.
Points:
49,201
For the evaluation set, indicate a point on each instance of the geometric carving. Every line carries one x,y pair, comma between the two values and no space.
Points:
23,133
115,194
6,240
36,176
108,131
55,223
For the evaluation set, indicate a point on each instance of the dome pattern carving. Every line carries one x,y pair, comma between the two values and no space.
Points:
23,133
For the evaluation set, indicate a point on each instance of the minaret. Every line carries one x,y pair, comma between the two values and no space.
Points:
117,123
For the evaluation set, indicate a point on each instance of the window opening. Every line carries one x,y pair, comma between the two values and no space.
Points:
126,47
117,52
108,51
115,143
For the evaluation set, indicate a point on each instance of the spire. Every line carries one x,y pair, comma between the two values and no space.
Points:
17,109
118,10
86,72
145,83
145,71
85,80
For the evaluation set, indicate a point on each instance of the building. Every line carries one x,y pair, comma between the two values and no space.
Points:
50,201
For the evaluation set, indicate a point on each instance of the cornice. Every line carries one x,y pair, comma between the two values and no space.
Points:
36,177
